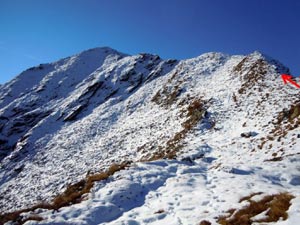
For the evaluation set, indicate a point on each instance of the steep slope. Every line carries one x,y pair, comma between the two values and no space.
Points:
219,127
60,122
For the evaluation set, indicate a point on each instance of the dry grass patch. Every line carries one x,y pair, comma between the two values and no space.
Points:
255,73
17,218
248,198
72,195
205,222
193,113
275,206
286,121
168,95
33,217
294,112
241,66
280,158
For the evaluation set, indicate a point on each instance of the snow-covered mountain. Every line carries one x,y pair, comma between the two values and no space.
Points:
107,138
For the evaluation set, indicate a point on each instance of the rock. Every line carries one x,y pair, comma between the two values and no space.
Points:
248,134
74,113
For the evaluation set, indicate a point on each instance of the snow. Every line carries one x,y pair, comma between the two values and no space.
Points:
185,193
97,108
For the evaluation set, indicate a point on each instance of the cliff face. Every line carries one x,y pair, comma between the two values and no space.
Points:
80,115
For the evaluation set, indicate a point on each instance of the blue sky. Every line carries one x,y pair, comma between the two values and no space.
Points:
40,31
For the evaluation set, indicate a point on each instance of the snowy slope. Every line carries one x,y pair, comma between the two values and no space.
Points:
216,128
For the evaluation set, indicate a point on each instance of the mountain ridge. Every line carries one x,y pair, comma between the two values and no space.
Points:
81,114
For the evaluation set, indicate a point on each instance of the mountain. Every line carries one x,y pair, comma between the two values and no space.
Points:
103,137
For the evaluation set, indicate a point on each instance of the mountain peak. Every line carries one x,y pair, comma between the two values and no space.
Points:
101,50
280,68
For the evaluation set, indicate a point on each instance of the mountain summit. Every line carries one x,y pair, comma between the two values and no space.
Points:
103,137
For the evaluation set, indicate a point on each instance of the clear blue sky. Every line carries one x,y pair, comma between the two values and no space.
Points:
40,31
